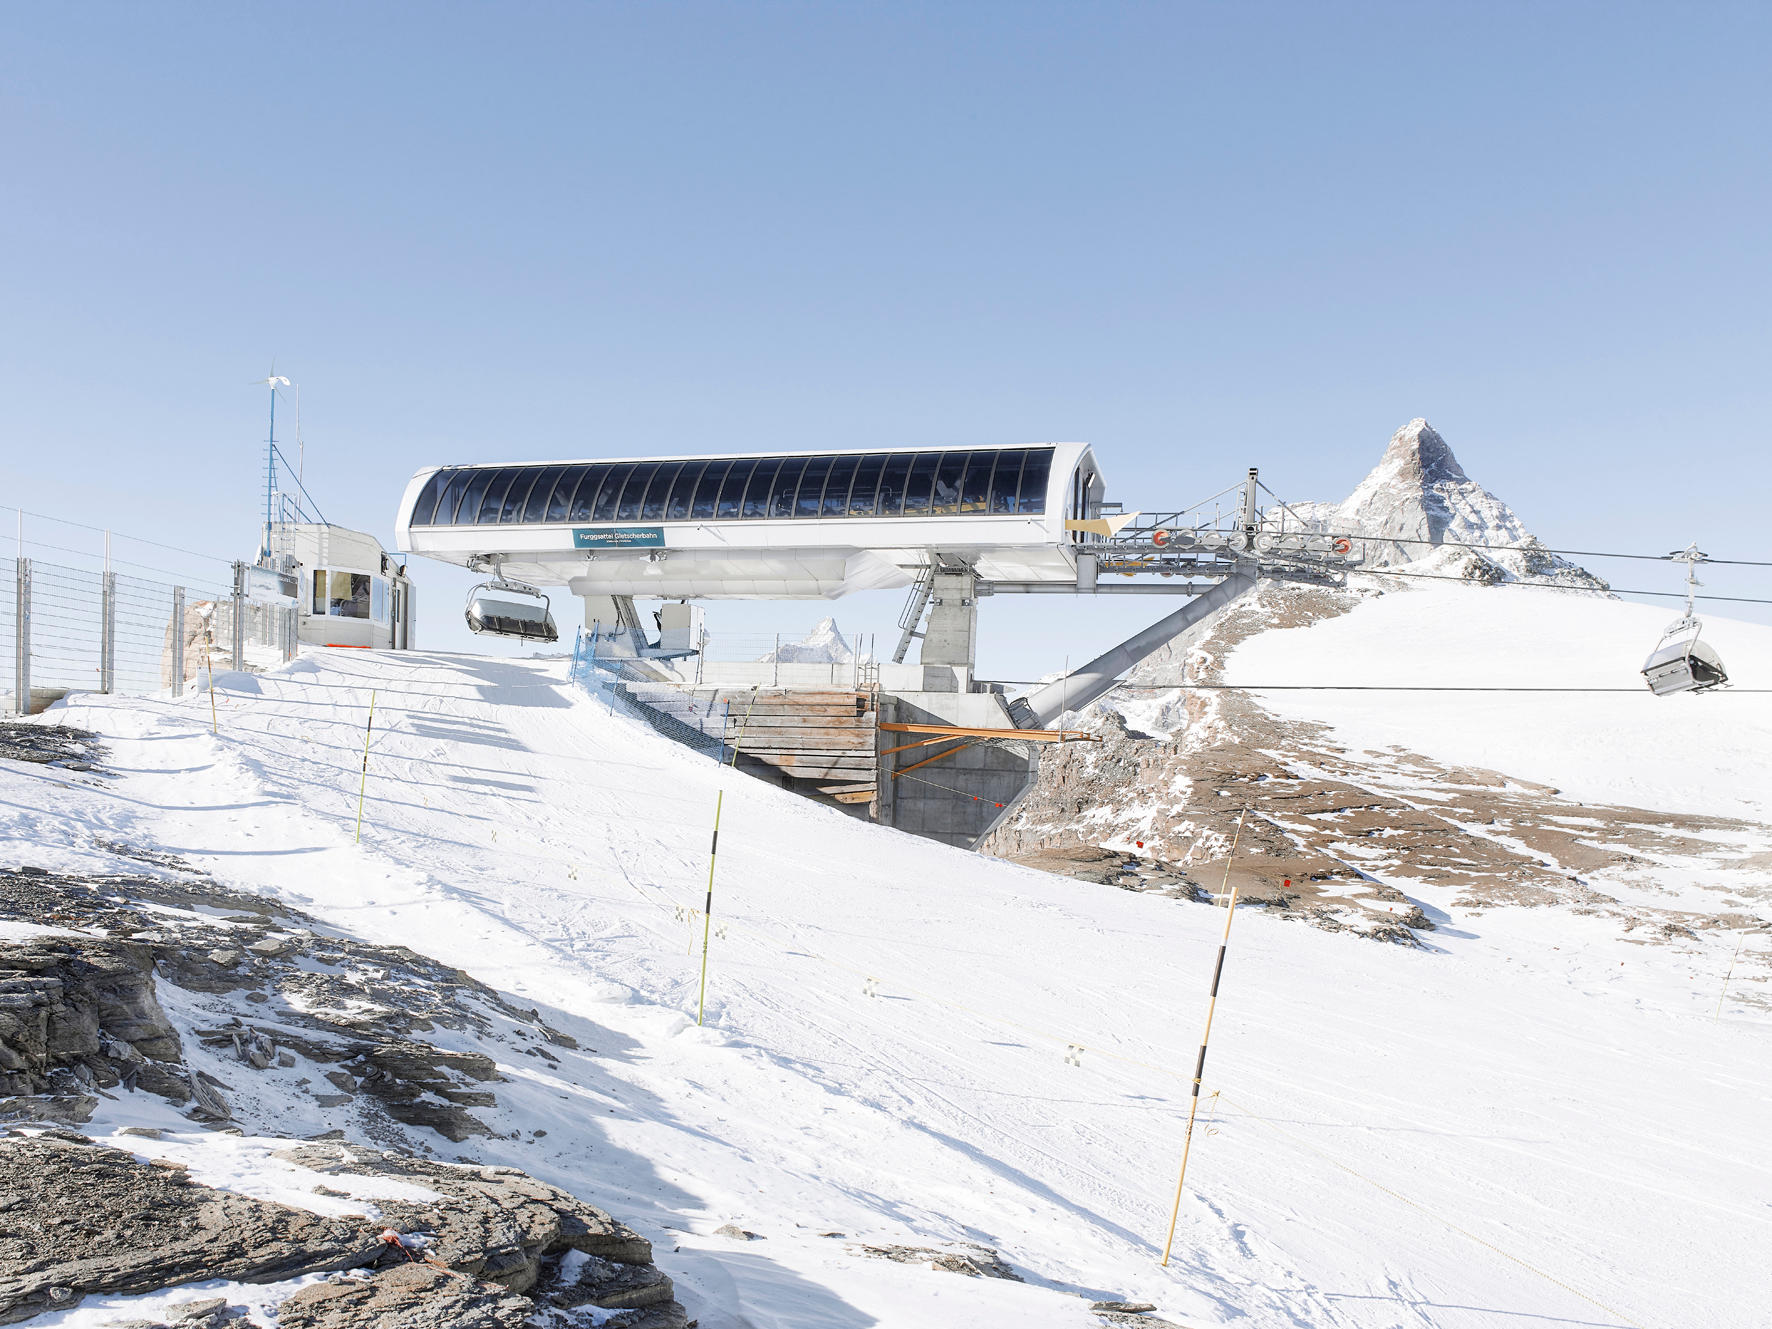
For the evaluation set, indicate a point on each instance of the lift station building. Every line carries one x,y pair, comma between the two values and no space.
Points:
944,755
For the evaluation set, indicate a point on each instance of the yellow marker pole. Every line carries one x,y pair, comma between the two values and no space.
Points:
209,663
707,915
744,726
1230,912
363,784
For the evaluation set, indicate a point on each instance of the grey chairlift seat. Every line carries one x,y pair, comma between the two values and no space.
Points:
511,609
1683,663
1680,662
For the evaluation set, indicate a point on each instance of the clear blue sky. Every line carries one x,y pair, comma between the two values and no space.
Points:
1199,236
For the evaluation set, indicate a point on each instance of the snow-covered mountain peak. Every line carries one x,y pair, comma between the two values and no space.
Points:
1417,455
825,644
1419,501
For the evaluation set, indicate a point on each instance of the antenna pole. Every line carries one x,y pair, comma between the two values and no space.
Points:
264,551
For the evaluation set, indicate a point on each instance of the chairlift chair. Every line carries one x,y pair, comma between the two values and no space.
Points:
1681,662
510,609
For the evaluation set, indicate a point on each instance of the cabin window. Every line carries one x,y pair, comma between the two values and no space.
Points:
634,490
867,484
787,481
836,488
341,594
1036,473
812,487
917,488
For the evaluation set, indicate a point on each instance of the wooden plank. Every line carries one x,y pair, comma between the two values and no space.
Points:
798,743
966,731
857,796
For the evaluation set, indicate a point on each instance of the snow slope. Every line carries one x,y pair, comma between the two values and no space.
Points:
1709,754
1529,1122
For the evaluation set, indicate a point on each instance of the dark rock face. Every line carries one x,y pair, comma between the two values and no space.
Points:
497,1223
49,745
77,1012
498,1248
83,1219
79,1015
412,1295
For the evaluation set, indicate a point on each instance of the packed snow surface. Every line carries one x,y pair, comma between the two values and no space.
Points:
1530,1121
1706,753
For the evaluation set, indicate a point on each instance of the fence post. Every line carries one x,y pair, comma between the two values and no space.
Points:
107,628
178,641
239,618
21,676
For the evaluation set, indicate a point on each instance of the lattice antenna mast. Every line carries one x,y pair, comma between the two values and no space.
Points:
273,381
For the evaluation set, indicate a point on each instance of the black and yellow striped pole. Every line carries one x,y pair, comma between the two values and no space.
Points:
1230,912
363,784
707,914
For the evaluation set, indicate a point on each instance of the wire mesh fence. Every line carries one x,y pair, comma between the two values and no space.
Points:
695,718
85,630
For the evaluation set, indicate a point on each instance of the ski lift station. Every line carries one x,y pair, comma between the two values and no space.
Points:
923,744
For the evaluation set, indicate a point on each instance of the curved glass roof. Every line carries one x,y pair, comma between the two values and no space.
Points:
804,486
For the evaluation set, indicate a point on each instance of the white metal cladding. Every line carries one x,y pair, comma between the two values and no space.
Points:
758,525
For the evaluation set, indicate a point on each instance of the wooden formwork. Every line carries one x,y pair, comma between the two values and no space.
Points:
825,736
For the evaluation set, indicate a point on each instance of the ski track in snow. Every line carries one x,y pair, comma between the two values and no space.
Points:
1551,1089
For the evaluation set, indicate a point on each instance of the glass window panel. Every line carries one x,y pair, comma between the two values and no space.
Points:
561,502
634,490
866,485
677,505
489,501
731,504
894,477
812,487
378,600
947,483
917,488
511,507
319,601
975,489
1036,471
1004,480
468,511
652,507
446,506
536,502
836,487
355,601
610,487
426,506
787,480
707,493
756,497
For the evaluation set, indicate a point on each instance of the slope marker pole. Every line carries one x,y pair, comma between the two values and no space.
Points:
363,784
209,664
1726,977
707,914
1230,912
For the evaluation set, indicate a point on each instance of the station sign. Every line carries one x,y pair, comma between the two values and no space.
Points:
618,537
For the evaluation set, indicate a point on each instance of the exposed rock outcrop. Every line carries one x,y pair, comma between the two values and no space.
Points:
496,1247
83,1219
78,1014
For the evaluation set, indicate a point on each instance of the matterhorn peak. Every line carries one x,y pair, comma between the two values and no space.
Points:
1419,501
1418,451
